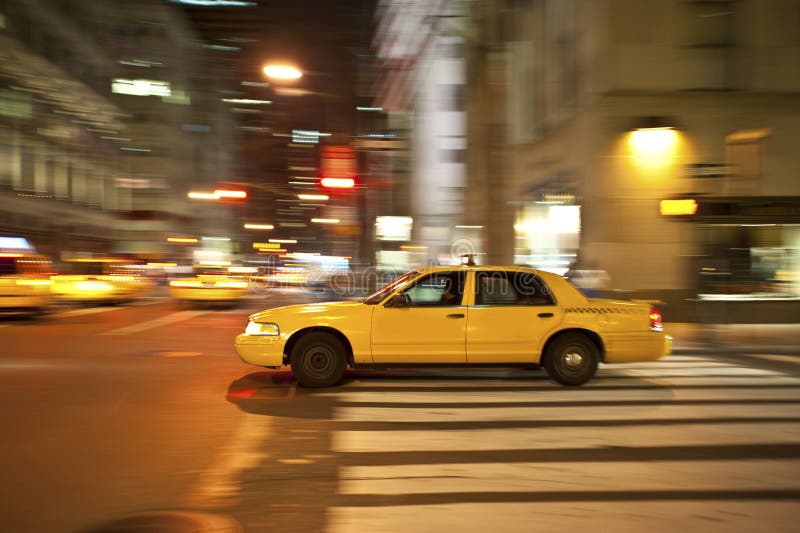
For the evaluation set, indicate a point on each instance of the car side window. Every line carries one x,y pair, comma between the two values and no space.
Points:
437,289
511,288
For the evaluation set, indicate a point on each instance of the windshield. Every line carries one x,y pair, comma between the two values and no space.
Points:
378,297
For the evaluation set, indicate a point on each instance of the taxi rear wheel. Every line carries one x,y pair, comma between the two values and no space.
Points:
318,360
571,359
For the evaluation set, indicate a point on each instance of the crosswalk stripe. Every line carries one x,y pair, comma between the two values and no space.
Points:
579,437
446,414
688,372
521,477
557,395
156,322
559,515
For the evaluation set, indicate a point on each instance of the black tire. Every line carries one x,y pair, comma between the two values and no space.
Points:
318,360
571,359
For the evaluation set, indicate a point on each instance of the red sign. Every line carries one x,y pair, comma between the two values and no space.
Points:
338,163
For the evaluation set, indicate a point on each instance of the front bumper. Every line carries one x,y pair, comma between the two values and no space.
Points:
260,350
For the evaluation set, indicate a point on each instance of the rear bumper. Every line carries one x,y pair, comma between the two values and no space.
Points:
260,350
637,347
207,294
11,302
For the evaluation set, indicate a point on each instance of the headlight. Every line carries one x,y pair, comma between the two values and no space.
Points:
262,328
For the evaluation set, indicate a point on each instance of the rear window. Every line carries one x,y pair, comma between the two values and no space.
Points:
25,265
80,268
8,266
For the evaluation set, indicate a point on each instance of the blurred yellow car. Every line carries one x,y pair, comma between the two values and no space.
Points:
210,284
24,282
101,280
469,315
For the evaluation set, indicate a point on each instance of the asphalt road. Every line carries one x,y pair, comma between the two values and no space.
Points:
124,418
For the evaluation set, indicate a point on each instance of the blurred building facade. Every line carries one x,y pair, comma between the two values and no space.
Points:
615,106
420,47
107,119
583,116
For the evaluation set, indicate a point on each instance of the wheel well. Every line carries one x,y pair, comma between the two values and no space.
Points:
594,337
287,350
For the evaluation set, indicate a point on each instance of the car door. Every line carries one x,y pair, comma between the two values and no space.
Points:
428,326
513,313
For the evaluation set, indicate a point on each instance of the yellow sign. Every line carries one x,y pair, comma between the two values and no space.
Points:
266,245
683,206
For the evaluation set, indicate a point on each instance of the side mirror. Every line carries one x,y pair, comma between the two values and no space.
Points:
398,300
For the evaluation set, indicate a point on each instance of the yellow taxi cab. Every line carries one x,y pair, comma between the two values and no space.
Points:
98,279
210,284
468,315
24,282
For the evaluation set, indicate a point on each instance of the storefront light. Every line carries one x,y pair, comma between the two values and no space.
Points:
653,141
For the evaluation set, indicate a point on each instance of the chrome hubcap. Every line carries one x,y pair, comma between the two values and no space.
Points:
573,360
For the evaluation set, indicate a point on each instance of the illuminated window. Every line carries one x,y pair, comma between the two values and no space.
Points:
140,87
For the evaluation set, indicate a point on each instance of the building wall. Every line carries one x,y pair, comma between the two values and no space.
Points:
708,69
66,138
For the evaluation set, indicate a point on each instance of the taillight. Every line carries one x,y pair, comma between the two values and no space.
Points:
656,322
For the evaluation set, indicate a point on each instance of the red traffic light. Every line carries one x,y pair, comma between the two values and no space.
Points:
338,183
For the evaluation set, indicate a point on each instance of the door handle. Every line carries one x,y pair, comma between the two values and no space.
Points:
456,315
545,315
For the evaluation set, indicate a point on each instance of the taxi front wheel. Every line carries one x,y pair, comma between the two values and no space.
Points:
318,360
571,359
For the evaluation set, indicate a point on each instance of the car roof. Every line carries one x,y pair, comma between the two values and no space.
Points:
477,268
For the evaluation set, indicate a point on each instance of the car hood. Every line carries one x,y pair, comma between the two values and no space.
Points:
315,310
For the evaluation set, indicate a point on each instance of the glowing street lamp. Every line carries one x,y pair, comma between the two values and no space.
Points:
282,72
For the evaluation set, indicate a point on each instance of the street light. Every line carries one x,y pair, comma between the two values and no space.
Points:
282,72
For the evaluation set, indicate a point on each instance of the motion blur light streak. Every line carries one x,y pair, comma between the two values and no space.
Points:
282,72
202,196
259,226
182,240
325,220
224,193
338,183
313,196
